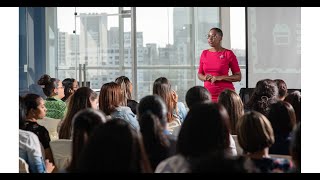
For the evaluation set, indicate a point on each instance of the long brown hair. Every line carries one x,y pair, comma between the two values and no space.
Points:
234,106
162,87
81,99
110,97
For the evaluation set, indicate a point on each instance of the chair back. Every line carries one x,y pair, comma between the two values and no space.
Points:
238,147
61,151
51,125
23,166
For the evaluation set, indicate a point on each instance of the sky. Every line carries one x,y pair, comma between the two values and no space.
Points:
147,16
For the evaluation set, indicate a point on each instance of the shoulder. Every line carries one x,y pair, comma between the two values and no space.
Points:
229,52
29,138
174,164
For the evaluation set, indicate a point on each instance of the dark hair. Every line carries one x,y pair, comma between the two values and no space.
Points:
162,87
295,147
294,99
84,122
124,82
282,87
218,30
81,99
204,131
282,118
68,85
48,84
22,113
152,120
110,97
254,132
264,94
197,94
114,147
31,101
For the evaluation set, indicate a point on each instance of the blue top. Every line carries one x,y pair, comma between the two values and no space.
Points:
30,151
126,114
182,111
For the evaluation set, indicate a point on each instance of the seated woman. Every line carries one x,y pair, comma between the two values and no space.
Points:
84,122
152,117
30,147
83,98
114,147
70,86
54,91
176,110
36,110
110,102
283,121
126,87
255,136
234,106
204,132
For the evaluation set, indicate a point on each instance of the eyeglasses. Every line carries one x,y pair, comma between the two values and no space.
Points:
62,87
210,36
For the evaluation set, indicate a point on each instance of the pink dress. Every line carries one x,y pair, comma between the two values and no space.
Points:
218,64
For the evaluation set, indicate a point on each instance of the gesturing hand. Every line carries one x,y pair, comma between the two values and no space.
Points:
208,77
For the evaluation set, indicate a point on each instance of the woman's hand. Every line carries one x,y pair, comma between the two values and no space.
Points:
49,166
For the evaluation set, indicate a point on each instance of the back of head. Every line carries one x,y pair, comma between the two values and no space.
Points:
282,88
295,147
113,147
205,130
81,99
125,84
282,118
68,86
110,97
254,132
233,104
155,105
294,99
265,93
83,124
48,84
197,94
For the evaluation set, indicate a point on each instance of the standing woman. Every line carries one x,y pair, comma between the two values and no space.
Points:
54,91
215,64
70,86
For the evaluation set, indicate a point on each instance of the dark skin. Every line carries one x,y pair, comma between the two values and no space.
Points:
214,41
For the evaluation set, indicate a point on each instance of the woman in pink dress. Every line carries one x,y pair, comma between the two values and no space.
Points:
215,64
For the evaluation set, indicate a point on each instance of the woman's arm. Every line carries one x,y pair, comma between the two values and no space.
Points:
203,77
233,78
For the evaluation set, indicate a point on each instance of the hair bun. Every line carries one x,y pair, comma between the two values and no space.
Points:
45,79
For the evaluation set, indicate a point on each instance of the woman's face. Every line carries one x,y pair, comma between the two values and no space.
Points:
41,110
214,38
75,86
60,90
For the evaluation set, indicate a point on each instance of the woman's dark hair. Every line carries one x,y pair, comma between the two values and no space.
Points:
22,113
265,93
295,147
282,118
68,85
162,88
204,131
233,104
31,101
218,30
84,122
110,97
48,84
81,99
282,87
294,99
196,95
152,120
114,147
